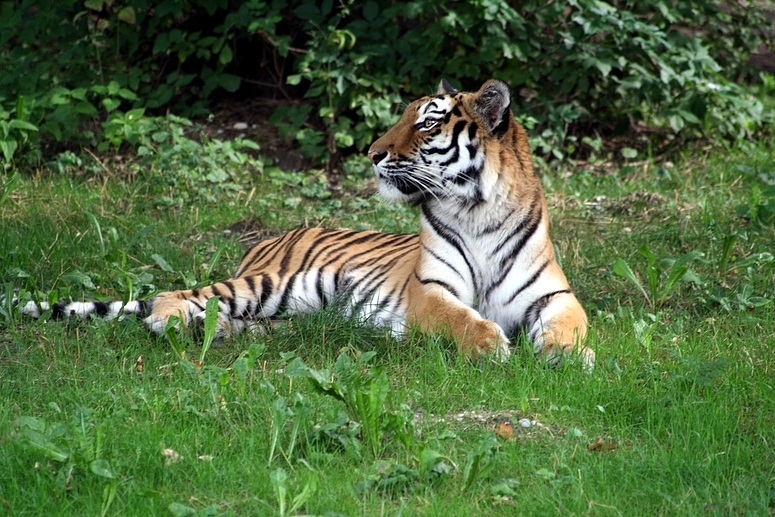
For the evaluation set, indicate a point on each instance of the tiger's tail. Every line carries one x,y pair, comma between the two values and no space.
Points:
64,310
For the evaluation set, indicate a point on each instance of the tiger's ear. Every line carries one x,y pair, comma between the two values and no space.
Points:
445,88
493,103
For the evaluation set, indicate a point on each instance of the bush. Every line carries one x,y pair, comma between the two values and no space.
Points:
581,67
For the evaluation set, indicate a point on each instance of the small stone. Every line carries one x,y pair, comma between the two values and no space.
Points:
525,422
239,126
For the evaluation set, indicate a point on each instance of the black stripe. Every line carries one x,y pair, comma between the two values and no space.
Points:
101,308
267,247
267,286
374,281
472,150
402,249
315,245
452,159
390,241
530,282
472,129
532,312
319,287
456,130
449,235
357,306
445,285
252,305
437,257
327,248
377,273
387,300
288,251
251,283
232,299
143,309
366,237
531,221
508,260
469,175
283,303
58,311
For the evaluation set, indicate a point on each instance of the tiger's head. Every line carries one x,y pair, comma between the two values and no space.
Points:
450,146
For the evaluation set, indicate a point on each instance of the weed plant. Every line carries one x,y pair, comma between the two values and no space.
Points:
323,416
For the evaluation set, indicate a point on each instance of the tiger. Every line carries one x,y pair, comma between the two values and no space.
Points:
481,270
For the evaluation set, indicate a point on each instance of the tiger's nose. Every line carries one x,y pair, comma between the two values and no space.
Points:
377,156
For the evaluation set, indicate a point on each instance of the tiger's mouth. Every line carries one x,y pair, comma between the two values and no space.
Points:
402,182
399,187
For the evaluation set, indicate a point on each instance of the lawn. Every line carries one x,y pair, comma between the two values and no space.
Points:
320,416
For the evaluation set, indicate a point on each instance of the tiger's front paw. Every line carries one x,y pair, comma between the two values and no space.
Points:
488,340
554,353
166,305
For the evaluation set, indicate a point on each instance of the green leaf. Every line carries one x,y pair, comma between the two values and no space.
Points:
8,187
677,272
94,5
688,116
171,333
85,108
629,152
676,122
44,445
96,225
82,428
477,460
297,368
127,94
8,147
134,114
163,264
78,278
225,56
181,510
110,104
127,15
102,468
623,269
306,11
139,235
31,422
210,325
370,11
229,82
21,124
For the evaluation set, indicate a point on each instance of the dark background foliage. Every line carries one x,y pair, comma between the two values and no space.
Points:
583,71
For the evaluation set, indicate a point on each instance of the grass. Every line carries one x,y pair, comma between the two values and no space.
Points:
677,419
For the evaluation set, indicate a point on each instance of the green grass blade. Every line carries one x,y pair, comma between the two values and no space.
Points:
623,269
96,224
210,326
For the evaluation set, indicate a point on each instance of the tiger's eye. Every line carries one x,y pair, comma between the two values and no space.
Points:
430,122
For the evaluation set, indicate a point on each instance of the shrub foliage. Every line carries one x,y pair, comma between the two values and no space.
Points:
581,67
